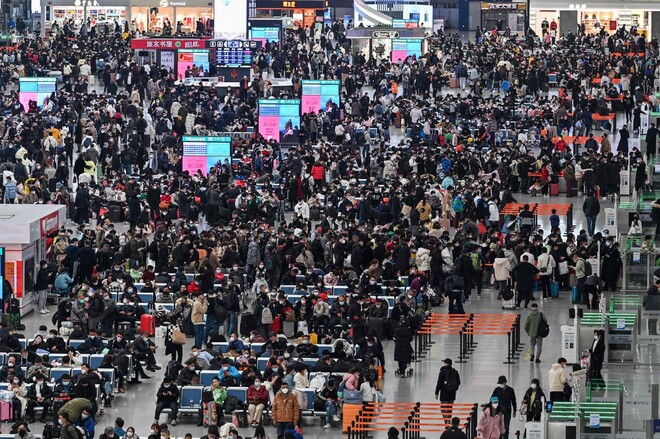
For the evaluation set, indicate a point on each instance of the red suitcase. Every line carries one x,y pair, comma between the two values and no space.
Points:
148,324
6,412
554,189
277,325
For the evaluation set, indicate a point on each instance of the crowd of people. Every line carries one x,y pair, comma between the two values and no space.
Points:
414,218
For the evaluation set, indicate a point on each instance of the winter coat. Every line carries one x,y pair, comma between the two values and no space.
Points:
491,427
537,406
579,376
403,350
501,267
532,323
423,259
318,172
557,378
285,408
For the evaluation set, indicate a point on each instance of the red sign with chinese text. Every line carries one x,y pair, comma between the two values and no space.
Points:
167,43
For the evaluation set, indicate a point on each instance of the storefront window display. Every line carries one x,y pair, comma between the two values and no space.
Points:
189,16
97,14
152,20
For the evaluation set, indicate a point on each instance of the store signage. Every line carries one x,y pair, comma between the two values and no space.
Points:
619,339
49,224
620,323
292,4
594,420
507,6
385,34
167,43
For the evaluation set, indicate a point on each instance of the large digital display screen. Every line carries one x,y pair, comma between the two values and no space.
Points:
402,48
263,34
35,89
204,152
235,53
187,58
406,23
279,119
231,17
317,94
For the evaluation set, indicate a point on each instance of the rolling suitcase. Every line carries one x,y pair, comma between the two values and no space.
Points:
554,189
377,326
288,328
453,82
210,414
114,214
509,304
575,295
148,324
247,324
6,412
554,290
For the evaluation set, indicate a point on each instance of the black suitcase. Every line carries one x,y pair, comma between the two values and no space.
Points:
114,214
247,324
378,326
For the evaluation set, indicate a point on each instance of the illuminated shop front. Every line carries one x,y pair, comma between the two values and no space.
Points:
150,16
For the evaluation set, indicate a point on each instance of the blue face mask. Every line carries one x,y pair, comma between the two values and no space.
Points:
84,416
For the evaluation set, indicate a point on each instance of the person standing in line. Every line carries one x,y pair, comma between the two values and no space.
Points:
581,276
448,383
197,317
557,380
597,358
591,208
525,273
546,265
651,302
507,399
532,323
41,286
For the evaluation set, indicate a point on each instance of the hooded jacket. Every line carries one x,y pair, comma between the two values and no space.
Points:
501,267
423,259
491,427
557,378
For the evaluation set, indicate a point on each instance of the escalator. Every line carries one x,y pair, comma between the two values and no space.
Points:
371,15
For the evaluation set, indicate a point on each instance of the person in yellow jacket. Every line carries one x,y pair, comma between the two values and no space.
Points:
424,209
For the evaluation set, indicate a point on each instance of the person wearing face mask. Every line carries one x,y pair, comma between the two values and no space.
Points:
235,343
93,344
257,396
54,343
491,422
23,432
187,373
285,412
507,400
41,286
39,395
596,359
108,433
228,374
213,401
533,399
130,433
86,421
339,313
167,397
67,429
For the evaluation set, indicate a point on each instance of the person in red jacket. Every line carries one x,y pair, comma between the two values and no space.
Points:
257,396
318,174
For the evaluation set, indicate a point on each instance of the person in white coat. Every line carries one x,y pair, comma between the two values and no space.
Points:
502,271
423,260
302,209
546,265
493,213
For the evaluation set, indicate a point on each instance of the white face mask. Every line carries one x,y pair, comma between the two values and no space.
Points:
595,337
533,386
502,386
257,385
285,391
129,434
495,405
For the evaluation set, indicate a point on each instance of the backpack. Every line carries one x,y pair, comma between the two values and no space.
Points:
220,312
507,292
173,368
453,381
81,432
266,316
50,431
475,261
588,269
544,328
